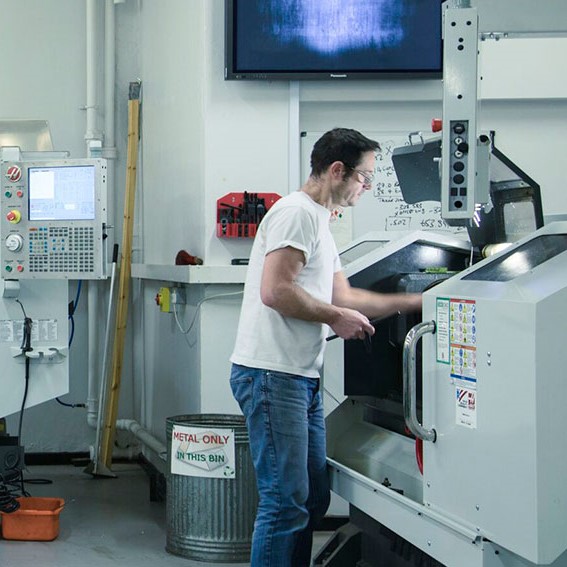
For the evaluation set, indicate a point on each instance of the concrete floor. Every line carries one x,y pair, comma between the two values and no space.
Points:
105,522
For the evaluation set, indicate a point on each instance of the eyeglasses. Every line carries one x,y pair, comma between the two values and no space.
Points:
368,177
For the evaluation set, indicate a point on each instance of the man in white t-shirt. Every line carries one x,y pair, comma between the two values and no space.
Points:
295,290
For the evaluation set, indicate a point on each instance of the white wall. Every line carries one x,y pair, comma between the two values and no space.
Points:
172,128
203,137
246,144
45,78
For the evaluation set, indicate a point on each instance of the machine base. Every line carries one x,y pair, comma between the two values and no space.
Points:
364,542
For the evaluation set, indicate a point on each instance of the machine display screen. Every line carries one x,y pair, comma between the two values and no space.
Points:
522,259
61,193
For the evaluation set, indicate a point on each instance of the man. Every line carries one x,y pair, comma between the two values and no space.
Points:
294,292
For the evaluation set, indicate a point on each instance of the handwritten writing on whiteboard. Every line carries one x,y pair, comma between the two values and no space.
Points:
390,210
398,223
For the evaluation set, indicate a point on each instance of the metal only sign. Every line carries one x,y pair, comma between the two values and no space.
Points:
196,451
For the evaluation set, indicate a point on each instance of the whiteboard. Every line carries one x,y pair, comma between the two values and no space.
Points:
383,208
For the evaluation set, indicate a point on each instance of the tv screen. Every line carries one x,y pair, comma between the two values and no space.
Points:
332,39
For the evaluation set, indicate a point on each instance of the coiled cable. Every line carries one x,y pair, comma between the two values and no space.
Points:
8,502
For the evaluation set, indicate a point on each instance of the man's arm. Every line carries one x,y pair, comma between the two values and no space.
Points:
280,291
372,304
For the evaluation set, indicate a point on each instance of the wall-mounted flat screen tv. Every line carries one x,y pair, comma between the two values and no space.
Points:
332,39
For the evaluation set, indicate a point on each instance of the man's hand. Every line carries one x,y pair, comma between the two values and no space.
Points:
350,324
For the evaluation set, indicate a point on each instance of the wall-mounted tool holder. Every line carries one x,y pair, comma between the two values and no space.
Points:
239,214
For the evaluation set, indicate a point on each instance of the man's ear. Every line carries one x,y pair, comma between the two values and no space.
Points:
337,169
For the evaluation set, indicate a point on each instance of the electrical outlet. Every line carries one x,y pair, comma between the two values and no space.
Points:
177,296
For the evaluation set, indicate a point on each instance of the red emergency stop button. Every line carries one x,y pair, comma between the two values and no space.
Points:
14,216
436,125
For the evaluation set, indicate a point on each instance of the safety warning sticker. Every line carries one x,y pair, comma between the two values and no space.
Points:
462,340
466,407
442,328
42,330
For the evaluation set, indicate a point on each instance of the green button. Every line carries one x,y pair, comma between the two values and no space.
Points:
8,194
8,268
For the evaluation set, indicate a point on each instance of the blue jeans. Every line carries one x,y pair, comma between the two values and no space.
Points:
286,427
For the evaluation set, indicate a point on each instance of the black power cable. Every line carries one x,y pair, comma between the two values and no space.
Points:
25,348
8,502
72,308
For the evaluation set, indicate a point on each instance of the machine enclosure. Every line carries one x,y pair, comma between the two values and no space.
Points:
500,470
493,488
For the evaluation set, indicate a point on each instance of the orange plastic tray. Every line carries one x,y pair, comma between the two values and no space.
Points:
37,519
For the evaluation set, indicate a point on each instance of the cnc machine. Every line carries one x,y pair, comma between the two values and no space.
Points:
447,445
52,230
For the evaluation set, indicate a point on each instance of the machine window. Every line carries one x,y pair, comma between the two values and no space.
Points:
522,259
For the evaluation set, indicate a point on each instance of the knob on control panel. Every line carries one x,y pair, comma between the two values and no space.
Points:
14,242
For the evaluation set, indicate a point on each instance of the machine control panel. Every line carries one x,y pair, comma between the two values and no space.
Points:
53,219
458,165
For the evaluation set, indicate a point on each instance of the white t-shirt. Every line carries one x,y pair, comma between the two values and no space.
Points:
266,339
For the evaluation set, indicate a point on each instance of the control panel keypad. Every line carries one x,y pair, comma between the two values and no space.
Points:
62,249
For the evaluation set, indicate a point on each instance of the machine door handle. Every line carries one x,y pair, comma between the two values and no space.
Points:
410,388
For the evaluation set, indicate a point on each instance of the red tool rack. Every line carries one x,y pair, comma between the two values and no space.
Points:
239,214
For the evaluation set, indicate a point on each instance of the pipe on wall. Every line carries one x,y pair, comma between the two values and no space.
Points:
93,139
109,145
144,436
91,72
108,152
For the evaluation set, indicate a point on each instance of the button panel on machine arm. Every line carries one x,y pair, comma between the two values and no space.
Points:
459,166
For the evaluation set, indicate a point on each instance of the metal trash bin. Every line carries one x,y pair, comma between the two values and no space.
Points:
210,518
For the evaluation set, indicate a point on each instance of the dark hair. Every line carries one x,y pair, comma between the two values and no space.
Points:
340,144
